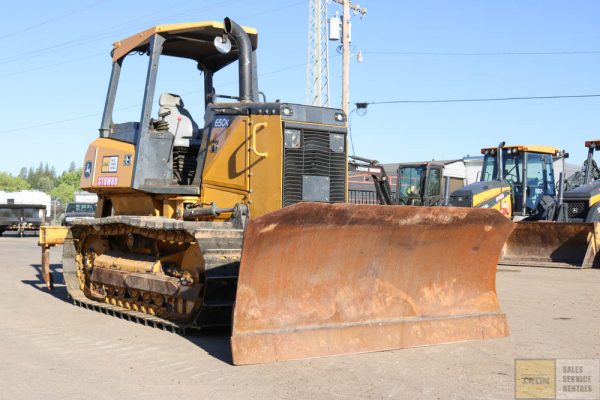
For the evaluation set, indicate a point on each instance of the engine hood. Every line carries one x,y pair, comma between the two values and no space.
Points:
478,187
583,192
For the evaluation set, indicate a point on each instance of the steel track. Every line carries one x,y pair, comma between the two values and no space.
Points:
220,244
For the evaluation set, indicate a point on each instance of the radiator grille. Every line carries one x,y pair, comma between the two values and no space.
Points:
576,209
314,157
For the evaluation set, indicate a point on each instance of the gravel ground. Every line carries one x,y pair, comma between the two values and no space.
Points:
53,350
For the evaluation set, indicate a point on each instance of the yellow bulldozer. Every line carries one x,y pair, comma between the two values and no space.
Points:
519,182
241,220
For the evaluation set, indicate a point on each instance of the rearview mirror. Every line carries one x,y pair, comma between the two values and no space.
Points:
222,44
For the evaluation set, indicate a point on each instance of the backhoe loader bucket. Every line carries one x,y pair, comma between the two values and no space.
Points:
318,279
552,244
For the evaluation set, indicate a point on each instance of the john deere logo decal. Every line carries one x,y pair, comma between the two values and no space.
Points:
88,169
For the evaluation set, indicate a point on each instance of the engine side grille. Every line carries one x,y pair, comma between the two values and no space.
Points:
576,209
314,157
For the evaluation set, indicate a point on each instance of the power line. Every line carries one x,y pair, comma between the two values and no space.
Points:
104,53
103,34
100,35
62,121
56,18
575,96
477,54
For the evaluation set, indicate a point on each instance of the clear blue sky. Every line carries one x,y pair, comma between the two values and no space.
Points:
55,65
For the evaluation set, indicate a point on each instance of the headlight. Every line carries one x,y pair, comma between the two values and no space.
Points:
339,116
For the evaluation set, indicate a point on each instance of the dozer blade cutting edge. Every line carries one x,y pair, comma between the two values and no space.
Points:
318,280
552,244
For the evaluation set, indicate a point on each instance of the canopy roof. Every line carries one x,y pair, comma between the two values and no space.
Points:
192,40
531,149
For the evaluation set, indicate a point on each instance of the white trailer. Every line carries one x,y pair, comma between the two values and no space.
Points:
32,197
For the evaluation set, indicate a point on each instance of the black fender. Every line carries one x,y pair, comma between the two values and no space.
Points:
593,214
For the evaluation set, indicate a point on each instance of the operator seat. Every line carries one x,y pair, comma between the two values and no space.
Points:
184,130
181,123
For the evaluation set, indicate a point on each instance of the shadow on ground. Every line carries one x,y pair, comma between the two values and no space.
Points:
215,341
60,291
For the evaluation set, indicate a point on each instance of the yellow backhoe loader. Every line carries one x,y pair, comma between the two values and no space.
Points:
519,182
246,212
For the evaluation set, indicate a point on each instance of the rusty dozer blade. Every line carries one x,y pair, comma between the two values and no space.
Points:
552,244
318,280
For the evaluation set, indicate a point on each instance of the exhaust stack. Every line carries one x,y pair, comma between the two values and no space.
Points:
242,40
499,161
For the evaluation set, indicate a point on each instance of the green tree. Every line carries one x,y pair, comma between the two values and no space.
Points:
71,178
64,193
23,173
45,184
66,185
42,178
10,183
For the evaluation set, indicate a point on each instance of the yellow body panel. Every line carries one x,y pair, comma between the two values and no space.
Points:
594,199
52,235
266,161
531,148
222,197
244,163
226,160
503,205
485,196
108,165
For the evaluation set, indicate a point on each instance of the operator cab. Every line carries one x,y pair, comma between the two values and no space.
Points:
168,129
581,200
420,184
529,170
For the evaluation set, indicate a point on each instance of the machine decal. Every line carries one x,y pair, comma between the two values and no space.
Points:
219,132
110,164
107,181
368,169
88,169
221,122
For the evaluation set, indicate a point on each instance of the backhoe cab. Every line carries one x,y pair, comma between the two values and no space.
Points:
516,180
581,201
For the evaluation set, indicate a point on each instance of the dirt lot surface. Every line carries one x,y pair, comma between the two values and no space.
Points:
53,350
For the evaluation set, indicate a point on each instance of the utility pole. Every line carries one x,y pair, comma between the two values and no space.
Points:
346,56
357,9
